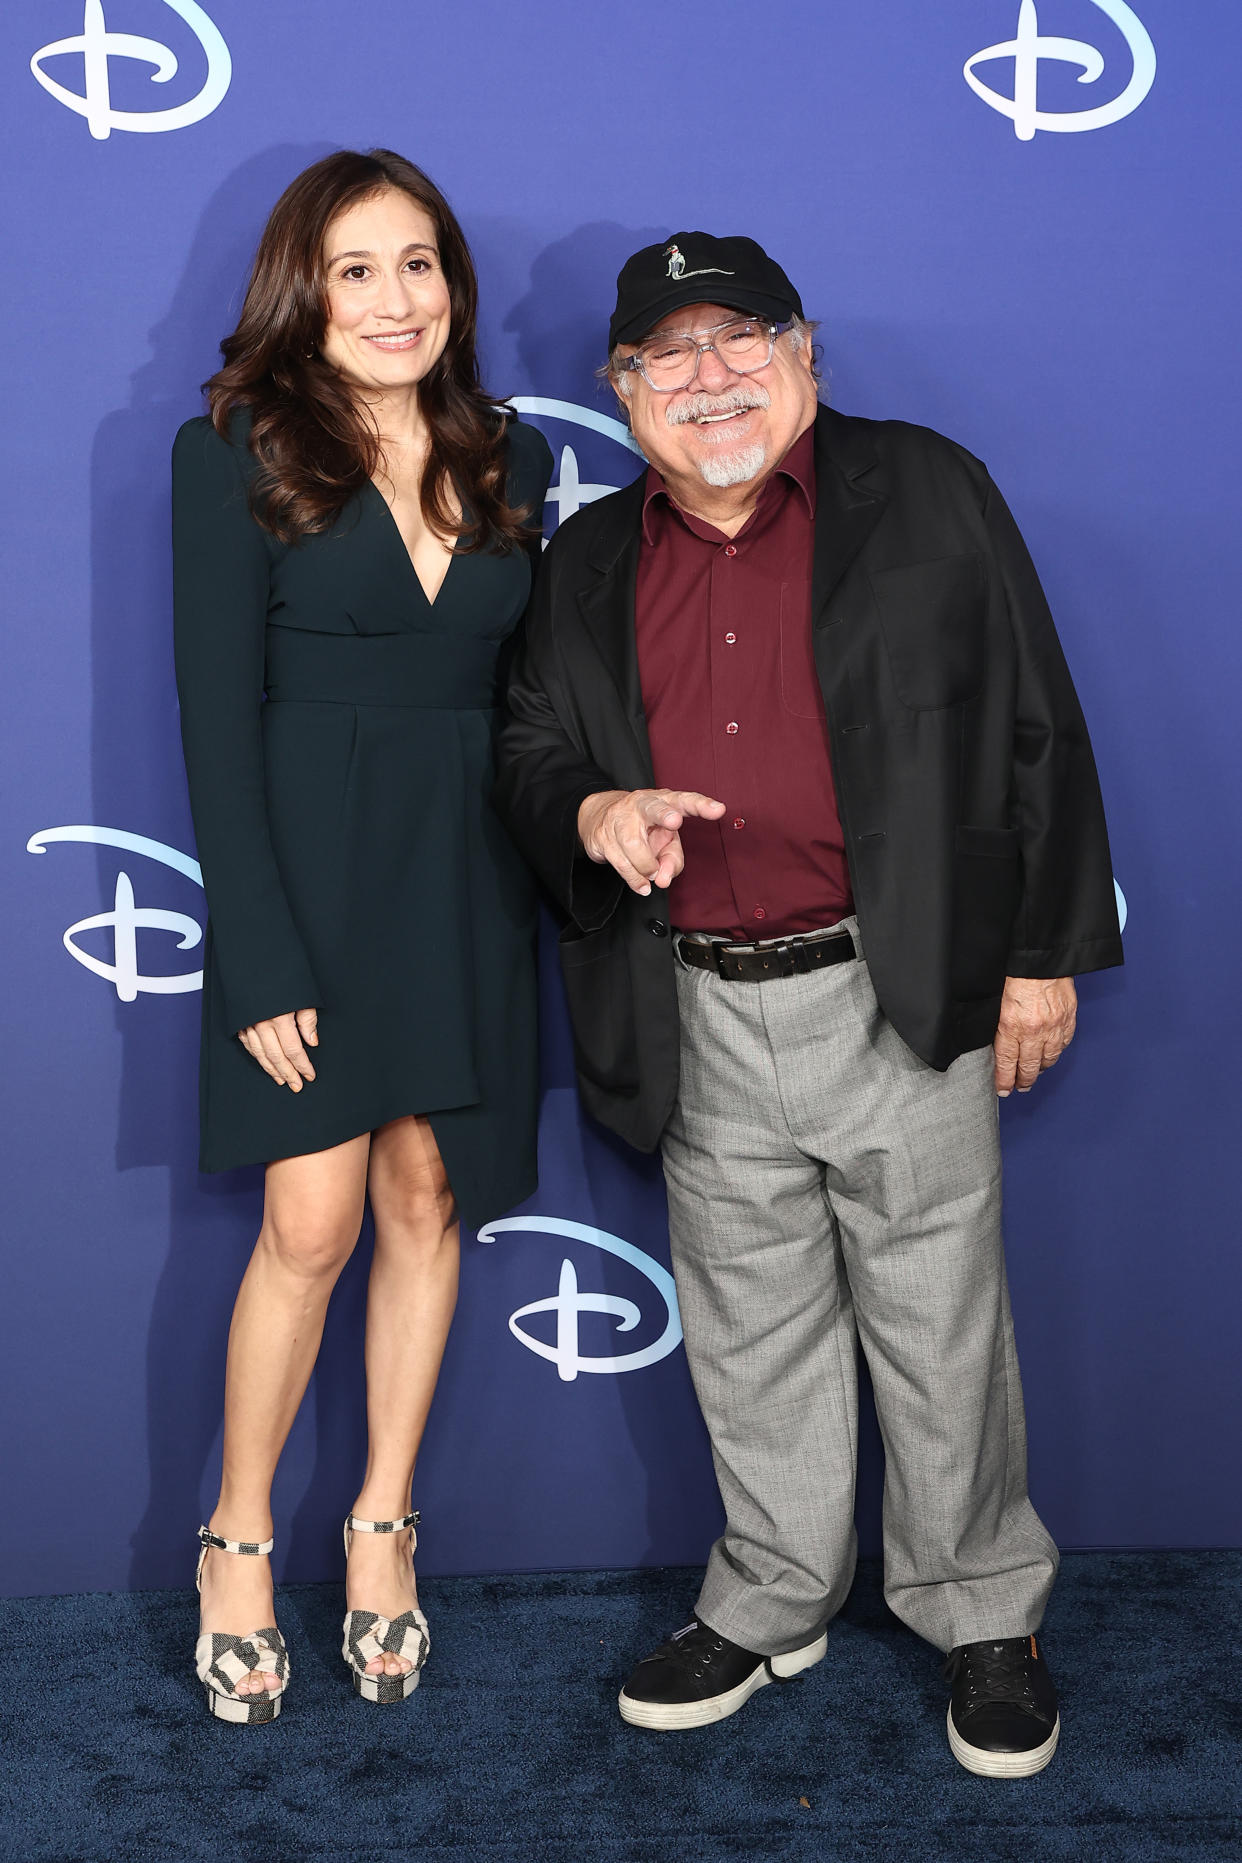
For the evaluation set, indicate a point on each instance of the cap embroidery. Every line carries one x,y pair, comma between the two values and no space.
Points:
677,266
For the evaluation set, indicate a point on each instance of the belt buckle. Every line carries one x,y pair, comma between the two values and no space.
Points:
711,948
721,954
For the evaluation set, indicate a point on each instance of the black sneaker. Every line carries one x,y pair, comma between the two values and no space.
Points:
1003,1719
698,1677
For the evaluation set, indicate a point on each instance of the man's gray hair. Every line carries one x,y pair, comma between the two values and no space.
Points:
801,334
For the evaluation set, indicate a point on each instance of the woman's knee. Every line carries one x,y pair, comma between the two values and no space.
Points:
416,1204
314,1244
408,1184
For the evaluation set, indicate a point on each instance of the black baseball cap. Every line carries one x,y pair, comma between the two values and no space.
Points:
697,268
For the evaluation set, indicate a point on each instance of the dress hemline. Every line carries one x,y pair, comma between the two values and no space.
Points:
384,1118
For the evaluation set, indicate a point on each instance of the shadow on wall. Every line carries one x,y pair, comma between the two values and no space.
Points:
138,783
560,326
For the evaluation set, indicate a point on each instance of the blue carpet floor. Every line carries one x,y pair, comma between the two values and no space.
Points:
512,1748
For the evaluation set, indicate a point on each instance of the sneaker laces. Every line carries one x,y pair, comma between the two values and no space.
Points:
992,1671
691,1646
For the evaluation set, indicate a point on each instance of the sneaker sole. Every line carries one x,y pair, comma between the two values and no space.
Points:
670,1717
1002,1765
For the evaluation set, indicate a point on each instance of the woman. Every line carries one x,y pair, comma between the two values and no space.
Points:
353,535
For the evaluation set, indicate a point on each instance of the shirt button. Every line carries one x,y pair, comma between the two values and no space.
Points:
739,821
731,730
759,913
730,640
730,549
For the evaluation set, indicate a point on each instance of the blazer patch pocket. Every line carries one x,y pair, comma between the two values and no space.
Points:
932,618
601,1007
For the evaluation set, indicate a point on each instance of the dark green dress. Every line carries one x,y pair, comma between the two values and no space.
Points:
351,859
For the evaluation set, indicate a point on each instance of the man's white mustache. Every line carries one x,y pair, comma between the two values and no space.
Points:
698,406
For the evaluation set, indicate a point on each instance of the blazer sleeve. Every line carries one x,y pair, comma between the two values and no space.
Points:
1067,920
544,770
220,599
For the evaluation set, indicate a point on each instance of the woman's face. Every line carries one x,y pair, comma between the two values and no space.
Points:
388,299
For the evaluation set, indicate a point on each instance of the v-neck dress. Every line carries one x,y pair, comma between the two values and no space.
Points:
338,731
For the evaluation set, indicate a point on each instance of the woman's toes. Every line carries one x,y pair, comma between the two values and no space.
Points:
377,1665
271,1681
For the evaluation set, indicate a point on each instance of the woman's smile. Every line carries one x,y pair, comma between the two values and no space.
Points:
394,339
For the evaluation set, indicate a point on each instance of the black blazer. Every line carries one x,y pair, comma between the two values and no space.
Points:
964,775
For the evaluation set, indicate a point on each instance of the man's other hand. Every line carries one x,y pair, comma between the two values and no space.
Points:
1037,1020
635,831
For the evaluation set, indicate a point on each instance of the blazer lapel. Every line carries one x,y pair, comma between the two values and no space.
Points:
606,605
850,499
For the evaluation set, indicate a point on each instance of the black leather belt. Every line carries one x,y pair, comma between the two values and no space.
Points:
772,957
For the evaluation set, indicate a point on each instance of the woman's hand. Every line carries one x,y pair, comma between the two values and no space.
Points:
277,1046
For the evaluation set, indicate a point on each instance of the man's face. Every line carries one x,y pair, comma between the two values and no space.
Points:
724,428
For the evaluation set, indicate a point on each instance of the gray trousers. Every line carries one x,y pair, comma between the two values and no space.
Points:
827,1188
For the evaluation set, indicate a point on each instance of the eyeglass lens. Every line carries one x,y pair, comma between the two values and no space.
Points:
671,362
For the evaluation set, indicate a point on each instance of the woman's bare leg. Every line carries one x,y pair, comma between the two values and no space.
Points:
410,1302
312,1212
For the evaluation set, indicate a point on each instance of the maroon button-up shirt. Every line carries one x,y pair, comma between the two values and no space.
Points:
734,708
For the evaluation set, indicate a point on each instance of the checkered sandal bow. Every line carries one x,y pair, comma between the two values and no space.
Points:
222,1660
368,1635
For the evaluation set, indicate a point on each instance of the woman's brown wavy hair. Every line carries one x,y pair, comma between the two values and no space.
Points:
314,443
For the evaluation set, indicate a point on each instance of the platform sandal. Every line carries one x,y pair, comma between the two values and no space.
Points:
222,1660
368,1635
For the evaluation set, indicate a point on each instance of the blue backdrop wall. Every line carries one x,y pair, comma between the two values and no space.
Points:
1053,282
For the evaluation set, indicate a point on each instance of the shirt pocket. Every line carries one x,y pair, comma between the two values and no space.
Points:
800,693
932,619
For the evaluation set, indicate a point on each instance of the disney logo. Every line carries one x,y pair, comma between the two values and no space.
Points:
568,1302
97,46
1029,49
126,918
570,491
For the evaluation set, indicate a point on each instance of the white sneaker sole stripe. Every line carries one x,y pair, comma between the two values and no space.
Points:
670,1717
1002,1765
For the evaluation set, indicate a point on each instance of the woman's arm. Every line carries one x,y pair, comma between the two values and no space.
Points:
220,595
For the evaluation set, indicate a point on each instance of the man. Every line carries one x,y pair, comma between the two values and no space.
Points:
795,748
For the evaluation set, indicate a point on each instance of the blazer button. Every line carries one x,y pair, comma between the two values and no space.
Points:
657,928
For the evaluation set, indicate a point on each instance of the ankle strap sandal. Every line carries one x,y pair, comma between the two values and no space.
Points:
222,1660
369,1635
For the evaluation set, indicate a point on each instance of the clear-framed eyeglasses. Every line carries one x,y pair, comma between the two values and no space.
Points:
667,363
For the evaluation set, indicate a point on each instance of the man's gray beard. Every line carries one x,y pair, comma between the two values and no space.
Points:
738,468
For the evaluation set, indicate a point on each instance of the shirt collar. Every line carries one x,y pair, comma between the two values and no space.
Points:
798,467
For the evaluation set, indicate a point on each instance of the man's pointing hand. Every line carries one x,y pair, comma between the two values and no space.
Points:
635,831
